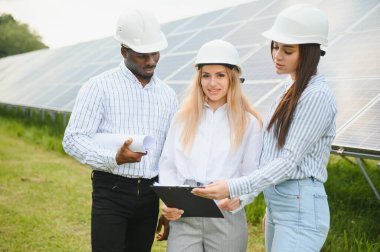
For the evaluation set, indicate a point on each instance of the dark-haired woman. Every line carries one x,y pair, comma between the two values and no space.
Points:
299,131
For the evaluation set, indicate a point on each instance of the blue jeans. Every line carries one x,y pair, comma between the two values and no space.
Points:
298,216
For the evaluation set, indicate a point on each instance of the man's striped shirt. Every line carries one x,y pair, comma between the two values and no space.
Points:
116,102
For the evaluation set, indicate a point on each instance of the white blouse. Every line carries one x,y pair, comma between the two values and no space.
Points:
211,157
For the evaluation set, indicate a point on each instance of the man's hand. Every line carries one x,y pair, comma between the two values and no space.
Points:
229,204
165,223
217,190
125,155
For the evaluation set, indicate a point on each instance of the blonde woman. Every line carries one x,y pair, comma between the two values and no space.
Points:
215,135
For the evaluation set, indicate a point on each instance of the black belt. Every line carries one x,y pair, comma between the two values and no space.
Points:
101,174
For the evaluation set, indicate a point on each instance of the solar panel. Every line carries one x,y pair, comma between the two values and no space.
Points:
170,27
10,64
275,7
200,21
371,22
169,64
41,98
259,65
250,32
186,72
342,14
364,132
175,40
103,54
81,74
262,95
52,78
180,89
242,12
204,36
353,95
353,56
64,97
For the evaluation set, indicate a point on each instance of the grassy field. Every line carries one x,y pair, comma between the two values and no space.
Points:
45,199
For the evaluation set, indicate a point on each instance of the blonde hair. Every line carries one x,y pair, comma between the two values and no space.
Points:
191,110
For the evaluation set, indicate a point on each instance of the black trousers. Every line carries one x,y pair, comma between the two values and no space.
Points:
124,213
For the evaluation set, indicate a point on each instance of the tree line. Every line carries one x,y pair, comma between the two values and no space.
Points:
17,37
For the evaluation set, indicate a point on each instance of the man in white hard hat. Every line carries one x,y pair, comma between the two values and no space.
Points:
132,100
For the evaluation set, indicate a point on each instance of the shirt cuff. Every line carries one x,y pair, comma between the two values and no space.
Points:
110,159
238,186
244,200
233,187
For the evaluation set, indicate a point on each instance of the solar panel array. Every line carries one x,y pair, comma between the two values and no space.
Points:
51,78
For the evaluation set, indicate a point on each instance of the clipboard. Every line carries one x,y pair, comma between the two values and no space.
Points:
193,206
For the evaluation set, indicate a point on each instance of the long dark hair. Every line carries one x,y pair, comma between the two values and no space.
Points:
307,67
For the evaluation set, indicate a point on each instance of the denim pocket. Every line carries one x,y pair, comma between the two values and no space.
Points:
322,213
288,189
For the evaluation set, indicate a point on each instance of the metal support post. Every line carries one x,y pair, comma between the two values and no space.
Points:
361,165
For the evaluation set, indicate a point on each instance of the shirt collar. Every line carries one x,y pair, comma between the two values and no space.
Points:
289,82
221,108
127,73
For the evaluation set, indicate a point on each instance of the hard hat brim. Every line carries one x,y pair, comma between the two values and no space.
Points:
156,47
292,40
197,64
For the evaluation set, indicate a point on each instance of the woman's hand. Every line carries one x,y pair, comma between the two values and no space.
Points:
217,190
229,204
162,222
171,213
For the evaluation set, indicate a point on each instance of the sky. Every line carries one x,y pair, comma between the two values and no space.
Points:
66,22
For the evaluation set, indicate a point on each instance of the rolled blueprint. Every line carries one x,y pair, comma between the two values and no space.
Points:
140,143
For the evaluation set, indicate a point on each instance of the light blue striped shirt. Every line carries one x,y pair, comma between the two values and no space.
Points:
307,147
116,102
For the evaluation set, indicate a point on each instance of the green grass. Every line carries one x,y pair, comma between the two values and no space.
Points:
45,198
355,211
35,126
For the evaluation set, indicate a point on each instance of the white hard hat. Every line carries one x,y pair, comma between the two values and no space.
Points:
140,31
218,52
300,24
